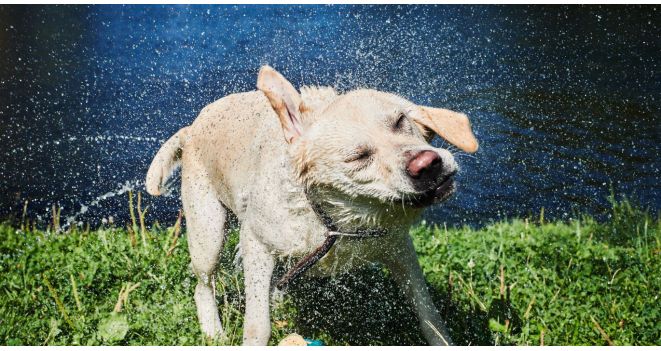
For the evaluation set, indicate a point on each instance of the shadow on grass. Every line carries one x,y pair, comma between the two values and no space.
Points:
367,308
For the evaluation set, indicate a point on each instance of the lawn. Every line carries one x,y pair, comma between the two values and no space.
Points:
517,282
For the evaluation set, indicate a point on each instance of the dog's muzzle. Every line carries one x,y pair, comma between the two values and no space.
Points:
437,193
425,169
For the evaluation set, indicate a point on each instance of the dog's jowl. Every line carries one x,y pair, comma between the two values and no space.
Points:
313,175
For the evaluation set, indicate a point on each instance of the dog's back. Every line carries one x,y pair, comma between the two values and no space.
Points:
225,142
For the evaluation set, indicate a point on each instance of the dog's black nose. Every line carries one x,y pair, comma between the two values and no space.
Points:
425,166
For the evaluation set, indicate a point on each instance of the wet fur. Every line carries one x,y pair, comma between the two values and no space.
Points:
233,157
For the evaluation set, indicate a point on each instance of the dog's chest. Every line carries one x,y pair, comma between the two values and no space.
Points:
348,254
290,227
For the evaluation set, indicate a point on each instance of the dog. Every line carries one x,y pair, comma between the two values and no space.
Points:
297,168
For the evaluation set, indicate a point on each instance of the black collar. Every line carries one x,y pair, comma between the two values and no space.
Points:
317,254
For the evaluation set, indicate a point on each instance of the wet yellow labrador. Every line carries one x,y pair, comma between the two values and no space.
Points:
301,168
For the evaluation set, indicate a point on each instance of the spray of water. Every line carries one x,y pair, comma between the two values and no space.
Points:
122,189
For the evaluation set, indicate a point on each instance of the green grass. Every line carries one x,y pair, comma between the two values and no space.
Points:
579,283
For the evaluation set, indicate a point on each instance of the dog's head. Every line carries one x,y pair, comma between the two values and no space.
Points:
367,146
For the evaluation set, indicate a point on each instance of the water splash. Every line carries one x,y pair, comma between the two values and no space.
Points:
535,91
122,189
99,139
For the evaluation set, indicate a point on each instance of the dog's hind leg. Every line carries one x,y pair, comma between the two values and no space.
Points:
205,220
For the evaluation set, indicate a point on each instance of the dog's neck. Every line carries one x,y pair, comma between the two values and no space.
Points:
355,214
334,228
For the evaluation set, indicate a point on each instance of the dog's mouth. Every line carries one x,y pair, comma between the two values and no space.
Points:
441,191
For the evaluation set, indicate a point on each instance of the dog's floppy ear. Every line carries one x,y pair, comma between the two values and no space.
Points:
451,126
284,99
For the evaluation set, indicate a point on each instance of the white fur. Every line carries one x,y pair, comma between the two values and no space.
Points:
234,157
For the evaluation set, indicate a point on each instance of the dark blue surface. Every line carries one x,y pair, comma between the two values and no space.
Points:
564,99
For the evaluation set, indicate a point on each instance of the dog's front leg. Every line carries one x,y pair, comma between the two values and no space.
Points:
403,264
257,267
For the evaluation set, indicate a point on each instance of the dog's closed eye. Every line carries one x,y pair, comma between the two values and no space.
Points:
401,123
360,154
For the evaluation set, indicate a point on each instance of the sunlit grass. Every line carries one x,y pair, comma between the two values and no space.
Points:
527,283
518,282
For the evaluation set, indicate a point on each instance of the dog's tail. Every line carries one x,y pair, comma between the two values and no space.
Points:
165,163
